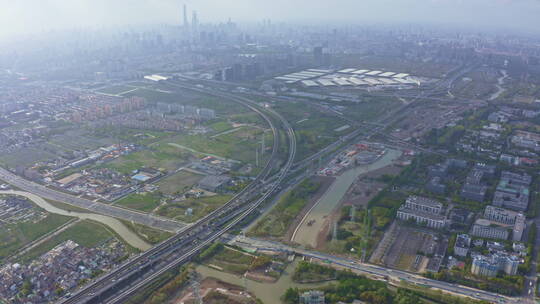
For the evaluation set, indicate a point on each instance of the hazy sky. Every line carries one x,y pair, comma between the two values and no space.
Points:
36,15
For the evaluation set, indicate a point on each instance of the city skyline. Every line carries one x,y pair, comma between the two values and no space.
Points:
38,16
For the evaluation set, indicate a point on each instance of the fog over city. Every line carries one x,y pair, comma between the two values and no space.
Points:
270,151
30,16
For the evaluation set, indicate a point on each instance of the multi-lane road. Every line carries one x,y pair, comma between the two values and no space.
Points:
97,207
390,275
123,282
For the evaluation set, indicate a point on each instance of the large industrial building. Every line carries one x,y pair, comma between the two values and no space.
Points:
350,77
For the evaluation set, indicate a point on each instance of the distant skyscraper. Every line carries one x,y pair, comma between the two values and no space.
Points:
186,23
318,54
195,22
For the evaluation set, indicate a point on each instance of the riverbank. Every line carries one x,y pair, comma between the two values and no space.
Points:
120,229
315,220
500,89
269,293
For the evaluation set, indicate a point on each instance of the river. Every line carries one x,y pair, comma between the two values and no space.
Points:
269,293
129,236
307,234
500,89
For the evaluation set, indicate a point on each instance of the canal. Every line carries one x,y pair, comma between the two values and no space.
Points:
127,235
269,293
307,234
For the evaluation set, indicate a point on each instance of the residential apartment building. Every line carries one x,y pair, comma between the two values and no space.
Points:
500,215
489,229
462,245
513,191
422,210
488,266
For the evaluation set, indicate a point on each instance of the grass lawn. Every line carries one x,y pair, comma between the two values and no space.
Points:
371,108
136,136
220,126
177,95
232,261
85,233
68,207
15,236
145,202
200,206
239,145
25,157
180,181
277,222
117,89
151,235
160,157
314,130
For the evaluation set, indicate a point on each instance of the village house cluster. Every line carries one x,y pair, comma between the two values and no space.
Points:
57,272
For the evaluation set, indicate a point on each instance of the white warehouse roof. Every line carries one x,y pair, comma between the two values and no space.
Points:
373,73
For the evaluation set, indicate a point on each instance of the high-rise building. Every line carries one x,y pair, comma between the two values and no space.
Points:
488,266
318,54
186,22
194,22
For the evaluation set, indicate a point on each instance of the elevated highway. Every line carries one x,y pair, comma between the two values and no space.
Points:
124,281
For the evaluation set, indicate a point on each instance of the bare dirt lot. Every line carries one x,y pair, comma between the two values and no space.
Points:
359,194
409,248
216,291
367,186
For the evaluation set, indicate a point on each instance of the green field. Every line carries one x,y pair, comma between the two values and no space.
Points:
136,136
15,236
200,206
145,202
314,130
153,236
178,182
117,89
232,261
277,221
25,157
172,94
239,145
220,126
161,156
85,233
